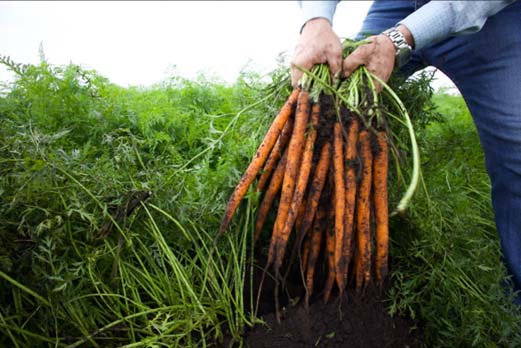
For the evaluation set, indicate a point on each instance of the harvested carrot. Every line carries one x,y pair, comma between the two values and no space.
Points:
305,170
330,254
260,157
269,196
315,190
363,216
350,197
275,154
295,148
381,209
316,239
301,213
298,225
339,204
306,246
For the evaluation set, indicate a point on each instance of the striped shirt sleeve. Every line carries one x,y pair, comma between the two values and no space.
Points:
317,9
438,20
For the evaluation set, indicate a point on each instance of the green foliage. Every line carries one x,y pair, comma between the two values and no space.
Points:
445,253
75,152
80,268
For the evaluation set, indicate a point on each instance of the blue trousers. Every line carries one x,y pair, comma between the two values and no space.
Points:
486,68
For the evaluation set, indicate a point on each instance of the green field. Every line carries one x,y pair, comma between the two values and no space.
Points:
111,198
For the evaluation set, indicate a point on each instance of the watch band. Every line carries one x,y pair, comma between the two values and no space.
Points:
403,49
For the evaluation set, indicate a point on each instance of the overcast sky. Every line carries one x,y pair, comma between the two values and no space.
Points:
139,43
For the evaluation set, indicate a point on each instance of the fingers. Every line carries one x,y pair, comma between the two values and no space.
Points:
377,56
361,56
304,60
307,58
353,61
317,44
323,46
334,60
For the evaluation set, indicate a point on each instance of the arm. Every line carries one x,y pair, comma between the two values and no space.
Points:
438,20
435,21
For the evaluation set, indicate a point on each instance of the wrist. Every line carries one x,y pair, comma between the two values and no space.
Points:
406,34
316,22
402,47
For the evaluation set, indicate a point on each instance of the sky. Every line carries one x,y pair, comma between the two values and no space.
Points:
142,43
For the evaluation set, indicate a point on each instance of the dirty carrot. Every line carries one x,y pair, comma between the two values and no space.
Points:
381,209
315,190
339,203
275,154
304,171
350,197
316,241
295,148
363,215
301,213
269,196
330,255
260,157
306,246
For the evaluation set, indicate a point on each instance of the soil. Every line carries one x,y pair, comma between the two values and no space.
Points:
359,321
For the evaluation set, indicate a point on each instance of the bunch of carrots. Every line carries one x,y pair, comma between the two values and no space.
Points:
325,159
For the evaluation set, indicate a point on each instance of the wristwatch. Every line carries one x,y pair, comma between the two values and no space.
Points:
403,49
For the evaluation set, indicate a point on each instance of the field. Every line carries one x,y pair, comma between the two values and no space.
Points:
111,199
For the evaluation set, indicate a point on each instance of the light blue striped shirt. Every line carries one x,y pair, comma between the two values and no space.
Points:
431,23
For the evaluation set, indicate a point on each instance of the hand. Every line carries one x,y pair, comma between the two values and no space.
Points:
317,44
378,56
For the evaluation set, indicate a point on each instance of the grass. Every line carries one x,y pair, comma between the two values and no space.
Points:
77,151
446,255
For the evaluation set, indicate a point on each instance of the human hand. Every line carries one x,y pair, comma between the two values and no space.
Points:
377,56
317,44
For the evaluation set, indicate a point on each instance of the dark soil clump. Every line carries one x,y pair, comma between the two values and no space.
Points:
360,321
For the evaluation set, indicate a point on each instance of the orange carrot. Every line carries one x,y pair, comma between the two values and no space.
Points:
275,154
269,196
298,225
316,240
304,171
315,191
301,212
260,157
306,246
295,148
381,209
330,254
339,187
350,182
363,206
